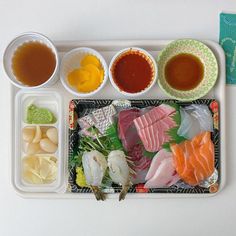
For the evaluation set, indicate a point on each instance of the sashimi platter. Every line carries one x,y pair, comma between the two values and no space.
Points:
116,119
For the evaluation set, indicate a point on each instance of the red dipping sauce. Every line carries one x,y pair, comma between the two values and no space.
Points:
132,72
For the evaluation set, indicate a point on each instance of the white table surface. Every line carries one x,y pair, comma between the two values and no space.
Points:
114,19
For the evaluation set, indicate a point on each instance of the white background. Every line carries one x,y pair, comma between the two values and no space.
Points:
114,19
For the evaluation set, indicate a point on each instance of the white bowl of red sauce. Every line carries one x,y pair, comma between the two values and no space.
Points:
133,71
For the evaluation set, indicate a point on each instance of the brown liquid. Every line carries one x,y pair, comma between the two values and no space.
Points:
33,63
184,72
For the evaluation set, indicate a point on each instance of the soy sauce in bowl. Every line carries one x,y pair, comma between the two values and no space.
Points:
184,71
33,63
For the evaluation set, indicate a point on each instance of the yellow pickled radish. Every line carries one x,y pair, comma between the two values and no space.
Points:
101,75
90,59
88,77
76,75
92,69
90,85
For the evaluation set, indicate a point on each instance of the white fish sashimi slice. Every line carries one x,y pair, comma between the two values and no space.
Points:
174,180
186,124
203,115
156,161
194,120
163,175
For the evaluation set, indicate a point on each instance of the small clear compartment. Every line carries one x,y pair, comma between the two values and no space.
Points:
39,164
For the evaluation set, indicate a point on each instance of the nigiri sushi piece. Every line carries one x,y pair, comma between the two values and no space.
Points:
119,171
162,171
95,165
194,159
195,119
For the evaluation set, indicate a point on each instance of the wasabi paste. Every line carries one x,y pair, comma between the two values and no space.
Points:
36,115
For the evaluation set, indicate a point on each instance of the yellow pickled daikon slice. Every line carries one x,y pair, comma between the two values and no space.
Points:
90,59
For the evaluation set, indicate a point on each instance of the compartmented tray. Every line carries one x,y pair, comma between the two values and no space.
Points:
53,102
108,49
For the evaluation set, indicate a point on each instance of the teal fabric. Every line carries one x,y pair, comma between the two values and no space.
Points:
228,42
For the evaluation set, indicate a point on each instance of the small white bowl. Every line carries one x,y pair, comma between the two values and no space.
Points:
151,61
71,60
10,50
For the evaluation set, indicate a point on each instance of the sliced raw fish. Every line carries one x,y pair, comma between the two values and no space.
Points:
165,175
174,180
153,126
131,143
154,115
140,164
195,119
100,118
127,132
156,161
194,159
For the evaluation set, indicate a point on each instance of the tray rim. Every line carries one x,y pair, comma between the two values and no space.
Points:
126,43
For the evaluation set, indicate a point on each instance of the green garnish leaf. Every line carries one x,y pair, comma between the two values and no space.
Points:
149,154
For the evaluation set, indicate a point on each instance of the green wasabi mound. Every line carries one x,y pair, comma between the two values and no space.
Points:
36,115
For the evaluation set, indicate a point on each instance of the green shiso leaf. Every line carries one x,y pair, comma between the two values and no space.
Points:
112,133
175,138
149,154
75,161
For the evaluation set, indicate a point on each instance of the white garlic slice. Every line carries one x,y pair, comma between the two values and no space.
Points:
52,135
28,134
47,145
32,148
38,135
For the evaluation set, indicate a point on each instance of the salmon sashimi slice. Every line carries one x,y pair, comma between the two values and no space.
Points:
194,159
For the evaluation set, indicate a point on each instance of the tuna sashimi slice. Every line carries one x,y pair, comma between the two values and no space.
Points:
154,115
140,163
153,126
127,131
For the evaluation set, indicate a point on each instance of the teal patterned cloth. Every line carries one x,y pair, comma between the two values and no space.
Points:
228,42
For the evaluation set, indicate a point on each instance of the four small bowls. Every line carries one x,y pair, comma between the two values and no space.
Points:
71,60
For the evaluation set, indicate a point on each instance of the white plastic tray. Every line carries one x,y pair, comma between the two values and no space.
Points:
108,49
53,101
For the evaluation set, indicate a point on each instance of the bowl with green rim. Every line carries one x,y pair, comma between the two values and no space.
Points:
197,49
